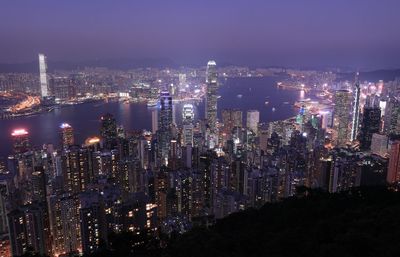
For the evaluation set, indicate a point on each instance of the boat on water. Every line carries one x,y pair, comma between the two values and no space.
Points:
285,102
152,103
266,102
239,96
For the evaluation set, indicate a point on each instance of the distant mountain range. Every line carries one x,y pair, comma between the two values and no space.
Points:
131,63
385,75
120,64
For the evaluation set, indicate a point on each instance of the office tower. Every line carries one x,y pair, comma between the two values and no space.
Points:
75,169
5,246
108,130
65,226
231,118
44,87
21,141
3,210
182,81
211,95
187,121
165,125
39,184
356,110
154,121
370,124
253,118
391,125
341,117
161,185
27,228
67,135
393,174
379,144
93,223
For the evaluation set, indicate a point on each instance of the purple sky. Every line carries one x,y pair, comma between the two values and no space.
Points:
354,33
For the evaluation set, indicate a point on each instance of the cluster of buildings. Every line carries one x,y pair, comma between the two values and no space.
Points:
66,199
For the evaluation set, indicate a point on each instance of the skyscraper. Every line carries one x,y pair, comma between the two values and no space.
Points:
28,229
21,140
253,118
379,144
67,135
370,124
231,118
93,225
188,117
44,87
211,95
154,121
108,130
393,174
165,124
391,125
356,110
341,116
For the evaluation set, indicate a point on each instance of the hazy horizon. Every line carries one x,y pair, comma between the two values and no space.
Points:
357,34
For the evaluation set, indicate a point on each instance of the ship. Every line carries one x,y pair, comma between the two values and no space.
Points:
152,103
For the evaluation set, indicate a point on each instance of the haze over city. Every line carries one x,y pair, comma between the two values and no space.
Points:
356,34
200,128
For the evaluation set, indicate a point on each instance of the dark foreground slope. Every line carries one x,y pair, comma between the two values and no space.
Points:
363,222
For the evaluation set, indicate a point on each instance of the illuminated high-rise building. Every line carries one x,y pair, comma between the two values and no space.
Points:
108,130
341,117
391,125
187,120
379,144
21,141
231,118
356,110
154,121
252,120
65,227
39,185
165,125
28,229
44,87
75,169
93,223
393,174
67,135
211,95
370,124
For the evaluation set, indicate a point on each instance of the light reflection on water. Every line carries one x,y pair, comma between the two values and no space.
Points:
84,118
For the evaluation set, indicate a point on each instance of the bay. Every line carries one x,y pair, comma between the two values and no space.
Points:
239,93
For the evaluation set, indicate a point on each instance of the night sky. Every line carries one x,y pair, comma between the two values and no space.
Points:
351,33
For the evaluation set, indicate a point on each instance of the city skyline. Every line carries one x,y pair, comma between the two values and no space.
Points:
181,128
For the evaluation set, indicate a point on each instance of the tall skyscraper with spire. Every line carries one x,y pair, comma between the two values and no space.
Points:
356,110
44,87
212,95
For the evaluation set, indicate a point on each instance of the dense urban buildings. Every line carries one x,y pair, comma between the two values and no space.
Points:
66,197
